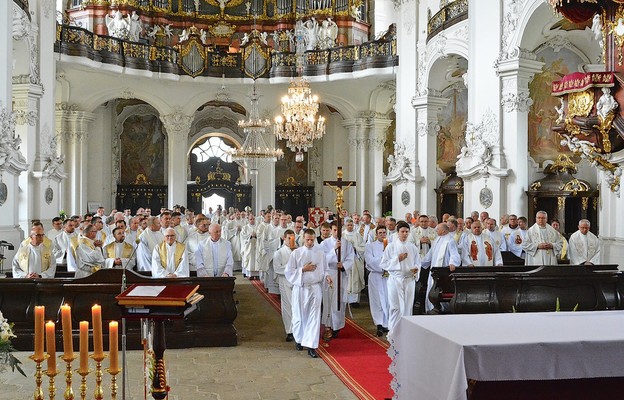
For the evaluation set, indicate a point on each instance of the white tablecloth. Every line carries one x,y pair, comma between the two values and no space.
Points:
434,355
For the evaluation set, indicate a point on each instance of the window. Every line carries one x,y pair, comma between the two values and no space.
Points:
213,147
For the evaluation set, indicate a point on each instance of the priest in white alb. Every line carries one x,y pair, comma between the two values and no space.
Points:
280,260
148,240
249,241
119,254
584,246
443,253
35,258
377,282
169,258
402,261
542,242
214,256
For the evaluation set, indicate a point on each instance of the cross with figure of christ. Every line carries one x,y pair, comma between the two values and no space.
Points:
339,186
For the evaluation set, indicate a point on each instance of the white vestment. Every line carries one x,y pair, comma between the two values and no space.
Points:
377,286
123,251
443,253
194,240
148,240
498,238
416,234
335,317
161,268
583,248
62,249
356,276
249,240
480,251
280,260
88,258
214,258
536,235
307,294
402,281
37,259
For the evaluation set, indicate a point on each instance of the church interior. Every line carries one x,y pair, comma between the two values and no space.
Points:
429,106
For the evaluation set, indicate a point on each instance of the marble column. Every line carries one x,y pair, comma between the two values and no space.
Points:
408,23
427,109
376,138
178,126
516,72
73,127
356,137
482,164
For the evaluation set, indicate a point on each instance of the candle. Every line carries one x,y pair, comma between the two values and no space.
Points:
39,315
96,318
113,345
68,343
51,347
84,346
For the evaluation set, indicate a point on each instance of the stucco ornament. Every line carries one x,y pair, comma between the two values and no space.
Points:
400,169
11,158
476,155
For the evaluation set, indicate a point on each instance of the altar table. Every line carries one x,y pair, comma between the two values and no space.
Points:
433,356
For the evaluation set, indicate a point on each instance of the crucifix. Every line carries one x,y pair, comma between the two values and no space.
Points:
339,186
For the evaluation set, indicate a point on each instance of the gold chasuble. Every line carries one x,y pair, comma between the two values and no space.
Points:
177,258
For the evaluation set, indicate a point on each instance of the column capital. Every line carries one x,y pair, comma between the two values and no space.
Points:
177,125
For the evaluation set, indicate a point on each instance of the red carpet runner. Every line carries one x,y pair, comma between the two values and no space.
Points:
358,358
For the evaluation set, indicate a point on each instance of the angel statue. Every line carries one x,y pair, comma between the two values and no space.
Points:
597,29
606,103
135,28
117,26
328,32
311,29
560,112
153,31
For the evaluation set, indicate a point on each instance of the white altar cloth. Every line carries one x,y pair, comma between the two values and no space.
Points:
433,356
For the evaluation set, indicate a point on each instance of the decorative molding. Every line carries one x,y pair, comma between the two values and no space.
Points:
510,24
476,156
178,126
23,29
47,6
127,93
399,3
430,128
389,85
520,101
23,117
53,168
422,89
20,79
438,47
11,158
556,43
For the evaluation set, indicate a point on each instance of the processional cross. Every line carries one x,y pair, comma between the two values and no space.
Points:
339,186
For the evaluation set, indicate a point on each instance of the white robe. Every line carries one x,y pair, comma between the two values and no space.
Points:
280,260
416,234
61,248
35,256
513,246
181,270
88,258
498,238
307,294
402,281
443,253
194,240
335,317
126,262
377,284
583,248
356,276
536,235
205,257
148,240
249,249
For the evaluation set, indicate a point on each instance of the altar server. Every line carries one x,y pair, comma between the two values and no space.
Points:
280,260
377,282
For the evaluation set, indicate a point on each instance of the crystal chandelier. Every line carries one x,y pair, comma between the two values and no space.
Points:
254,154
299,123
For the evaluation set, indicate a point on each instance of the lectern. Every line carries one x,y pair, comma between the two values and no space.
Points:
158,303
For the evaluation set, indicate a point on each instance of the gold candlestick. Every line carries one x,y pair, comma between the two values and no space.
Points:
52,388
38,395
113,375
98,393
69,392
83,383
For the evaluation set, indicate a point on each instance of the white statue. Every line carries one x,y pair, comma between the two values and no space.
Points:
328,32
597,29
560,112
311,29
290,34
153,31
356,12
245,39
183,36
168,31
275,35
117,26
606,103
263,38
203,36
222,4
134,22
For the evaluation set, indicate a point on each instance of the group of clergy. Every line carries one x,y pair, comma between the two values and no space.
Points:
305,263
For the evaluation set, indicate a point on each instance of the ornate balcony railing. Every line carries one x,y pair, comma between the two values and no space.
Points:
79,42
448,16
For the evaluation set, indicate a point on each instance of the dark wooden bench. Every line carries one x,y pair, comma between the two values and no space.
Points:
211,325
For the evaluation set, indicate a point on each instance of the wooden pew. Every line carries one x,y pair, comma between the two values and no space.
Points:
211,325
527,288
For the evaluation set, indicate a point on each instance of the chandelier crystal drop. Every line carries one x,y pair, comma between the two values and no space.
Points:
255,154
